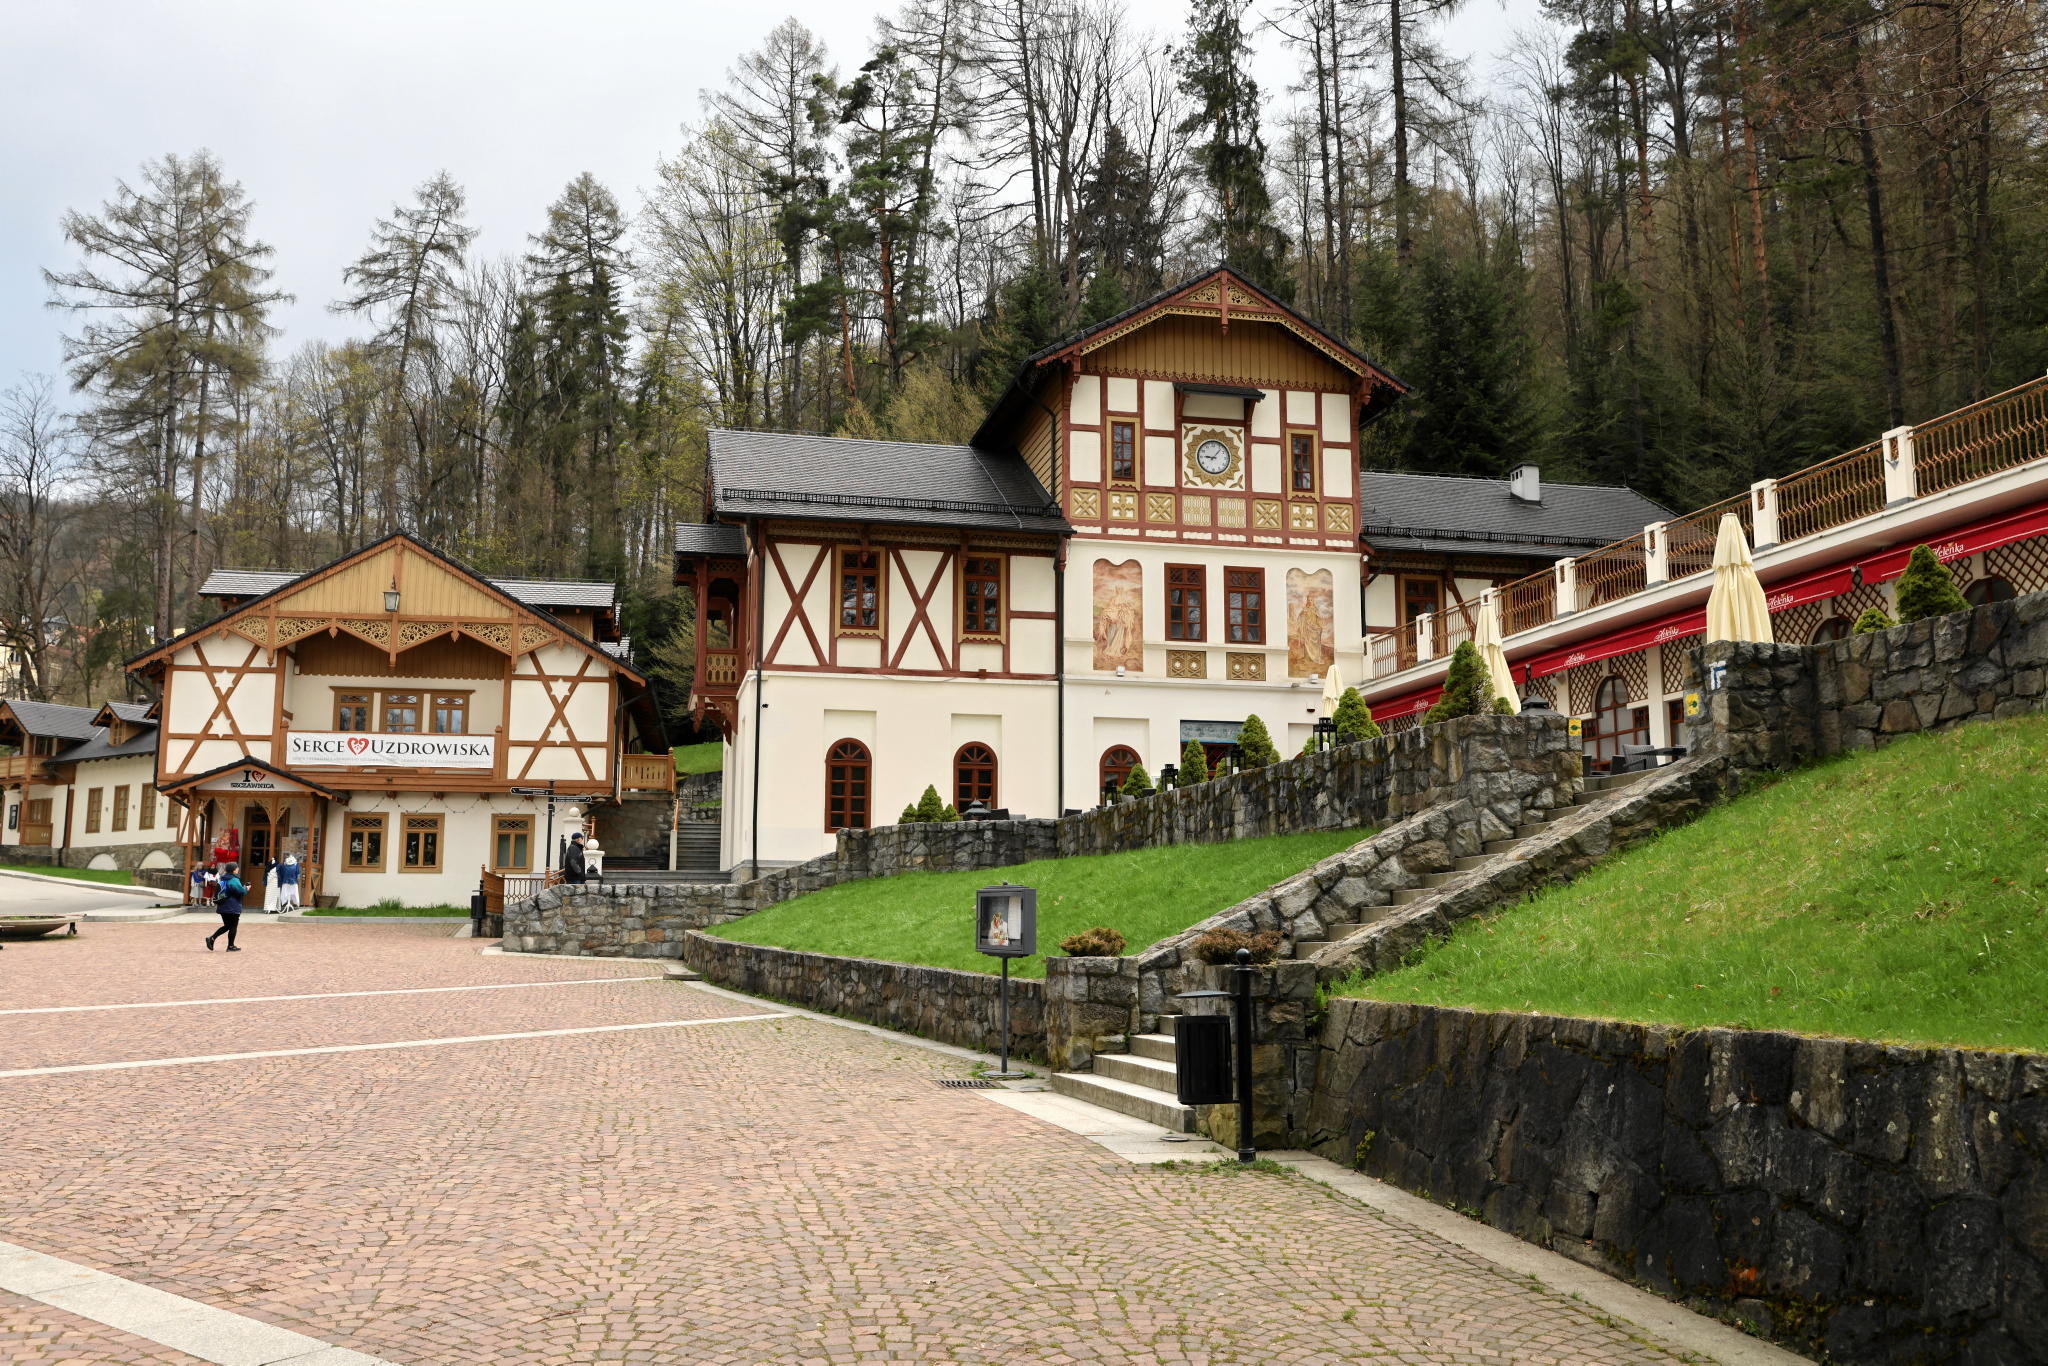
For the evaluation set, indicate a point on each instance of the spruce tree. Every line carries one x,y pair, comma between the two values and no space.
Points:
909,816
1468,690
1194,765
949,816
1255,747
1137,783
1927,589
1027,320
929,806
1873,619
1469,366
1354,719
1216,66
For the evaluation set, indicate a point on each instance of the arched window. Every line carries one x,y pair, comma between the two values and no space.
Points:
1117,763
1615,723
848,780
1990,588
974,776
1834,628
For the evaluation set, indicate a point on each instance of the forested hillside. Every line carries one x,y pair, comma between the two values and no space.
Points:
1677,245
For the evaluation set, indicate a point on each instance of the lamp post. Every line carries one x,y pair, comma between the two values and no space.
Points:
1006,927
1108,791
1168,773
1326,732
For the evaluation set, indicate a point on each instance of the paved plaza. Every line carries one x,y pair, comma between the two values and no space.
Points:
646,1171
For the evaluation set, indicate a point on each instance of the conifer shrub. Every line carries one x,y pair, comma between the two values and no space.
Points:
1503,707
951,815
1927,589
1354,719
1468,688
1099,942
1221,946
909,816
930,807
1138,783
1255,744
1873,619
1194,765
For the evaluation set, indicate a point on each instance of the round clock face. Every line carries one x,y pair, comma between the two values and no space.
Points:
1213,456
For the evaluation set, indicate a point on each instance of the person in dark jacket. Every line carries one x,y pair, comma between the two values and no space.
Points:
229,904
574,869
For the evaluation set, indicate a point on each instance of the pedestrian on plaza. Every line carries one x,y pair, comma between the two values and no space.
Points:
574,870
288,884
196,894
229,904
209,884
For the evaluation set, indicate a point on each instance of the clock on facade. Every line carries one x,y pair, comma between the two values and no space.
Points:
1213,456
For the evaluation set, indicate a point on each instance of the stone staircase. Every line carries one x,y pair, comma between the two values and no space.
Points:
696,859
1141,1082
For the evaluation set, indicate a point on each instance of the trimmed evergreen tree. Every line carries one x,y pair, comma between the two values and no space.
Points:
1927,589
1137,783
930,807
1468,689
1873,619
1194,765
909,816
1255,747
950,815
1354,719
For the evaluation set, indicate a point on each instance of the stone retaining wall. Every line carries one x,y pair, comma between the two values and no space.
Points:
963,1008
1874,1202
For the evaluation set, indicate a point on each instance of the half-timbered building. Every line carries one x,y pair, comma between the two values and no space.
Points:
1152,536
396,722
79,786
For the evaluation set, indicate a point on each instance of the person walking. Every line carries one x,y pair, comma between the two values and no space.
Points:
229,904
574,869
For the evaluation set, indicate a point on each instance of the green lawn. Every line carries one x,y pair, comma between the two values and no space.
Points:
707,756
1900,895
120,877
414,912
929,917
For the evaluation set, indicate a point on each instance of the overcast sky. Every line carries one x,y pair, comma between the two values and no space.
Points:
329,114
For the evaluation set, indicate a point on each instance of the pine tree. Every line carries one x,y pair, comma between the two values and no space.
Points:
1121,229
1354,719
1468,689
1926,589
1873,619
1216,68
950,815
1137,783
1255,744
1469,366
930,806
909,816
1027,320
1194,765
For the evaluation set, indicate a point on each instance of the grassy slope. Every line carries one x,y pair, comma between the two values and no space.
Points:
705,757
1901,895
120,877
929,917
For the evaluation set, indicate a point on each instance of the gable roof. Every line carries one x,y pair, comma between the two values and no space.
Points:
1453,514
710,538
194,779
583,593
1268,307
784,474
53,719
100,747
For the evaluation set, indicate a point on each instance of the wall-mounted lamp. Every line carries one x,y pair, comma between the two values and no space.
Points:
391,597
1119,671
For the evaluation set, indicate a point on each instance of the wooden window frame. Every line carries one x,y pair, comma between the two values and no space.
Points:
1111,764
95,801
117,815
1315,462
1002,595
467,697
38,812
1231,634
964,765
419,708
376,823
1436,588
423,824
1109,474
504,826
866,799
345,697
1177,616
145,808
377,705
839,626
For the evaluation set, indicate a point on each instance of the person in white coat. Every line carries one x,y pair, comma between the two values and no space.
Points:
285,885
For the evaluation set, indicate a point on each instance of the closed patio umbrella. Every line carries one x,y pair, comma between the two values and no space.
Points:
1486,638
1333,690
1736,609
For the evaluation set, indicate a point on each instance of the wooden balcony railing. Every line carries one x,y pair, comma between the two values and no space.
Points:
31,768
1612,571
1454,626
502,887
1689,541
721,670
1995,434
647,772
1831,493
1528,603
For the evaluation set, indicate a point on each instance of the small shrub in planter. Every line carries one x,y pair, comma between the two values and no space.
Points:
1873,619
950,816
1927,589
1468,688
1100,942
1194,765
1255,744
1137,783
1221,946
929,806
1354,719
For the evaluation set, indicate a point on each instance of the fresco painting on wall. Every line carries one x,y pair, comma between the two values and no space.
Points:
1119,615
1311,622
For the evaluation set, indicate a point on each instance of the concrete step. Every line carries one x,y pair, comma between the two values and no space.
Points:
1126,1098
1439,879
1471,861
1499,846
1408,896
1531,830
1308,948
1160,1076
1345,930
1607,782
1158,1046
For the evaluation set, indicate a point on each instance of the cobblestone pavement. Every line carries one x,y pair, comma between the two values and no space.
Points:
776,1190
34,1334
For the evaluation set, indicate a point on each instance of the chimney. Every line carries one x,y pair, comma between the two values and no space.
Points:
1526,484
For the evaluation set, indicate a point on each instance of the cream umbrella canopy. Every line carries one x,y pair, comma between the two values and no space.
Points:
1486,638
1333,690
1736,609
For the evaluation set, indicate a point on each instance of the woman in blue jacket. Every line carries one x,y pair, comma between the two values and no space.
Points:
229,904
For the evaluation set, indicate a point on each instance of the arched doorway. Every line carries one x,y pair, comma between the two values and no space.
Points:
1615,722
1989,589
974,776
849,781
1117,763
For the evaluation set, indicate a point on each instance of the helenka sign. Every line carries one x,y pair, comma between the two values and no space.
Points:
344,749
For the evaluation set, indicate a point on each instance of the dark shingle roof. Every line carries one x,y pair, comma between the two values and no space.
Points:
98,748
1456,515
253,583
709,538
55,719
775,474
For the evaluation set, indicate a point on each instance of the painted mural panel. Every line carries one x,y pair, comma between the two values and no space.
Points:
1311,622
1120,615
